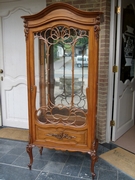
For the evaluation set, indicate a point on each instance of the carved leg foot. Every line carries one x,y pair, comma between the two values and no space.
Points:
29,151
40,150
94,158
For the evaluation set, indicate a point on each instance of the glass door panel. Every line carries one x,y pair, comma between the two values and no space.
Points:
61,75
128,45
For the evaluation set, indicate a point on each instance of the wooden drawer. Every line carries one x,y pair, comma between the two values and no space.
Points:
61,136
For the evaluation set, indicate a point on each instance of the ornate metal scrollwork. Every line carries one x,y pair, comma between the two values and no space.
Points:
61,135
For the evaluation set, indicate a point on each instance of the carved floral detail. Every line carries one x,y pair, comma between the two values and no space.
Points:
61,135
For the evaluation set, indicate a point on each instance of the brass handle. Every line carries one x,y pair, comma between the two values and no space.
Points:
1,70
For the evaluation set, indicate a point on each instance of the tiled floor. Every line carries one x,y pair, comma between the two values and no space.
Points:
53,165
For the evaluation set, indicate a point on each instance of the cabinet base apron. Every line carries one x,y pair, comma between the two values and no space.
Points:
92,153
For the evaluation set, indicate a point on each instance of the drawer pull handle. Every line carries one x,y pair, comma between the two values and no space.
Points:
61,136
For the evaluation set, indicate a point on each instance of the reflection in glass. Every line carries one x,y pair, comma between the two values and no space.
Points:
128,45
61,73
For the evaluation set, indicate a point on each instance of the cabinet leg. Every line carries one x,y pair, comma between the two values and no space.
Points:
94,158
40,150
29,151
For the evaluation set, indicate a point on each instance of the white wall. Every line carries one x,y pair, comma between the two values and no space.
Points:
33,5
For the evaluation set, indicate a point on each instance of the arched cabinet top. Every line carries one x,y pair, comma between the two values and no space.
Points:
62,12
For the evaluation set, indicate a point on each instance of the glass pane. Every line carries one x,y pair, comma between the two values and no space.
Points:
61,75
128,45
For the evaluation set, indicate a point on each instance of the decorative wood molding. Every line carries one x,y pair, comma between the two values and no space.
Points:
97,27
26,29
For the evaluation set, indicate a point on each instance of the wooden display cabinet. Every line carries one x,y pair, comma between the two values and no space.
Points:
62,95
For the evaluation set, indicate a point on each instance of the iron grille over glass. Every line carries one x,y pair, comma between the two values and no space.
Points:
61,55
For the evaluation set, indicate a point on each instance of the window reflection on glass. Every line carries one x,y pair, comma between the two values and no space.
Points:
61,75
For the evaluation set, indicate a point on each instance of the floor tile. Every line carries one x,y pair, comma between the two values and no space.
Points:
52,164
76,153
21,161
52,176
42,176
86,173
75,160
44,156
71,170
5,148
8,158
22,144
39,164
47,150
122,176
63,152
17,151
87,160
15,173
107,175
59,157
11,142
24,161
1,154
101,164
54,167
2,141
102,149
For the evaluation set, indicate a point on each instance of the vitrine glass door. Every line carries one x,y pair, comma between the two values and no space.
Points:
61,75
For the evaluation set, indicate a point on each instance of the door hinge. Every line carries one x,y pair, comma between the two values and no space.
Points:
115,69
112,123
117,10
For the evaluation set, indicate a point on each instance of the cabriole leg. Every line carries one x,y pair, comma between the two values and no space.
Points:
94,157
93,160
29,151
40,150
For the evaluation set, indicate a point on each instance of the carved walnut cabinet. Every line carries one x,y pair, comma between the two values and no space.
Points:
62,61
